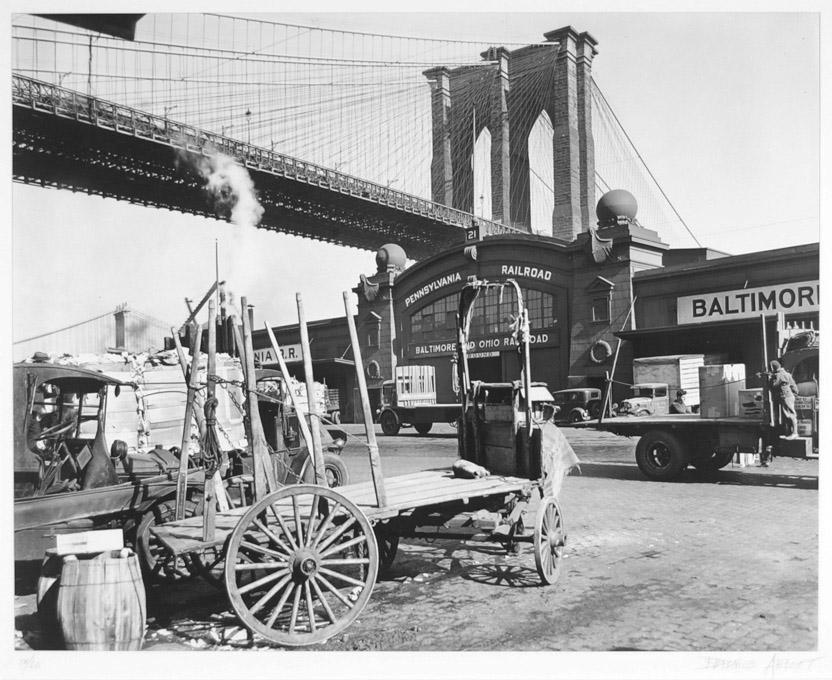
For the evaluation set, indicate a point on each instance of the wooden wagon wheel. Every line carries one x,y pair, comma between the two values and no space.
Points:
158,564
315,558
549,540
212,567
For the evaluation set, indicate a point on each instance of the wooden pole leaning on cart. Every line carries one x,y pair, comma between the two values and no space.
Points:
263,470
369,427
213,491
311,402
199,306
306,433
183,364
192,378
611,379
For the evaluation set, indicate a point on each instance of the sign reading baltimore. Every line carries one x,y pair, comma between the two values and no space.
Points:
787,298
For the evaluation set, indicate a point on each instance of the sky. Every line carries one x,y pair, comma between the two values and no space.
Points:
724,109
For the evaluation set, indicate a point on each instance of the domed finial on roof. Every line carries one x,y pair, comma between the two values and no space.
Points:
616,207
391,257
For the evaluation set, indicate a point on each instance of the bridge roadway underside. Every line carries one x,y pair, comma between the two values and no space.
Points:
62,153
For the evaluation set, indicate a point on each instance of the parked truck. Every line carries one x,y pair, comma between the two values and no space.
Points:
410,399
668,444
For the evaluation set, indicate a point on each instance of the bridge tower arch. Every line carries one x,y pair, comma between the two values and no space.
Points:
507,95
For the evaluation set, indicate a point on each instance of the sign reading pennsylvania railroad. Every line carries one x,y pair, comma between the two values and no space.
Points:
788,298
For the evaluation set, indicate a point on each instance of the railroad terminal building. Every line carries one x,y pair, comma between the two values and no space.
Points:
579,296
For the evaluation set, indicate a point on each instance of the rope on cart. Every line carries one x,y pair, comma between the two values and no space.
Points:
210,445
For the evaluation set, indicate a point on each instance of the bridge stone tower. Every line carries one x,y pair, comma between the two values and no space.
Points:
506,95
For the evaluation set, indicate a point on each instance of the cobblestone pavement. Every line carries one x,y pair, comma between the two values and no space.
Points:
721,561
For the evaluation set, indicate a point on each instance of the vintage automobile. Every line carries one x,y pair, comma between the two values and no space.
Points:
649,399
65,478
282,432
577,405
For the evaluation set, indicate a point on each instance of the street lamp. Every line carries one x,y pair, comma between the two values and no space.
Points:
248,124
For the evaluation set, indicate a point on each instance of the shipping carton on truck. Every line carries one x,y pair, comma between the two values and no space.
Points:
410,399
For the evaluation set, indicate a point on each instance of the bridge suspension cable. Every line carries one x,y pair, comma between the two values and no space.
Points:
353,101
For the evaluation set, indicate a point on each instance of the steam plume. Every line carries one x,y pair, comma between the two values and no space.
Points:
233,195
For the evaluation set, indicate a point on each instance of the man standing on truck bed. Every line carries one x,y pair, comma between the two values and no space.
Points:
678,405
783,390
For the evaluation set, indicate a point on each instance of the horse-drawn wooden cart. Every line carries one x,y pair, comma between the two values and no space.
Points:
300,562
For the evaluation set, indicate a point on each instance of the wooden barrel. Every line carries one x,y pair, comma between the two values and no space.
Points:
47,598
101,602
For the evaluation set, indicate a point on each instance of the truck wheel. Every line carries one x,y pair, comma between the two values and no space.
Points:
390,424
660,455
715,460
336,417
336,471
423,428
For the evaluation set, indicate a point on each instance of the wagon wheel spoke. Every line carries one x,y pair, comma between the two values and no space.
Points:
336,534
298,523
264,551
280,604
295,604
278,587
312,571
343,546
272,537
291,539
323,526
323,600
340,576
310,525
347,560
331,588
310,609
263,581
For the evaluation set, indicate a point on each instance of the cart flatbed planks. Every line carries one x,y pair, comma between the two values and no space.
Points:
404,493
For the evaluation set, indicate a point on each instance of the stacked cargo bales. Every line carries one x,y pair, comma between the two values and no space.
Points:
719,390
153,412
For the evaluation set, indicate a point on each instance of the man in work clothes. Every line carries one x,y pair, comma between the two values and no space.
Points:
678,405
783,390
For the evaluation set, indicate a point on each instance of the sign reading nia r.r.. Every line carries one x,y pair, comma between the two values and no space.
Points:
788,298
266,356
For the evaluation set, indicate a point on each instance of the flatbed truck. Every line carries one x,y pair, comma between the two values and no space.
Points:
668,444
410,400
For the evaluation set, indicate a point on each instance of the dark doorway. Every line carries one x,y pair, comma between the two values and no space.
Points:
487,369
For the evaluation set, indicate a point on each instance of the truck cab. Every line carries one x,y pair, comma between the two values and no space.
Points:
389,397
649,399
577,405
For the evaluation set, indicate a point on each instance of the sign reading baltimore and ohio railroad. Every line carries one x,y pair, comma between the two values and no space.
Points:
788,298
481,347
